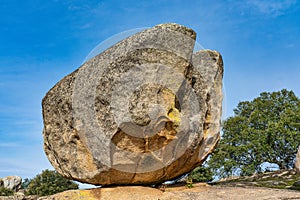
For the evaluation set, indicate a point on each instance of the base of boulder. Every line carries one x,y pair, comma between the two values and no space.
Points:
176,192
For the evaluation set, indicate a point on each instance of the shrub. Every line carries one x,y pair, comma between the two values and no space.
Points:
48,183
25,183
201,174
5,191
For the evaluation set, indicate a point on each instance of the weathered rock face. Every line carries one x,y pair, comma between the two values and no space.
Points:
297,163
11,182
144,111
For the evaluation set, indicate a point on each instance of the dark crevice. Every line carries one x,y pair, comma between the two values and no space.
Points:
193,81
207,114
177,104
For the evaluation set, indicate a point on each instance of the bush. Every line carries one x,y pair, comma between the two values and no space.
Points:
25,183
201,174
5,191
48,183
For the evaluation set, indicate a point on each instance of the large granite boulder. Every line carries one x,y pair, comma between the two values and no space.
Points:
144,111
11,182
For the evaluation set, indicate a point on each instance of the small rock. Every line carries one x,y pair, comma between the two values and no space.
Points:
12,182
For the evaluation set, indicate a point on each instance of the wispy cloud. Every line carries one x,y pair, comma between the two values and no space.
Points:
23,165
272,7
85,26
26,122
9,144
290,45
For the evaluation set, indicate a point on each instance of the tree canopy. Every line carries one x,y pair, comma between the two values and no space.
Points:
201,174
266,129
49,182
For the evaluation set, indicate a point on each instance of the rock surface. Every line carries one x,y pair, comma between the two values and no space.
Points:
11,182
144,111
198,192
280,179
19,196
297,163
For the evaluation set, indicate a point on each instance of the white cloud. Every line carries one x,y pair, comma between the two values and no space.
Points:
26,122
13,171
290,45
23,165
85,26
272,7
9,144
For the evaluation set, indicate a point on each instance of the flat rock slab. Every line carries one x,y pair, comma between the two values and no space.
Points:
144,111
198,192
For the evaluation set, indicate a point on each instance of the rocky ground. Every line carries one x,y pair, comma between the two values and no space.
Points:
198,192
281,185
282,179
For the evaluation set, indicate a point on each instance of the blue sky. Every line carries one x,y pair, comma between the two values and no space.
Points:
43,41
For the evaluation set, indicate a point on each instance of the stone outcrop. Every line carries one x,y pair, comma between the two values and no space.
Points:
297,163
144,111
19,196
280,179
198,192
11,182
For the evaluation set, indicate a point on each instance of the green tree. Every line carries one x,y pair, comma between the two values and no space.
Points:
201,174
49,182
25,183
266,129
